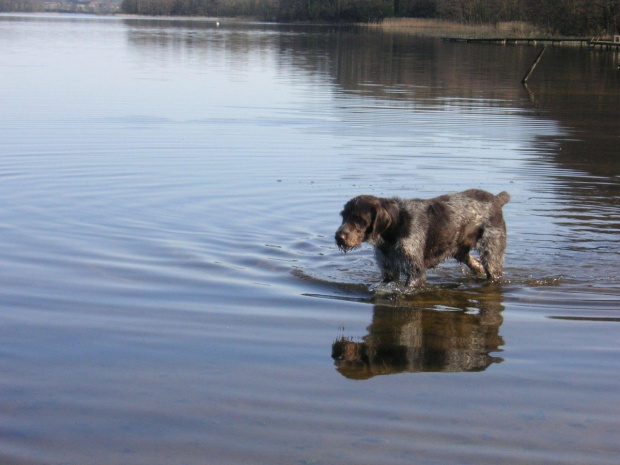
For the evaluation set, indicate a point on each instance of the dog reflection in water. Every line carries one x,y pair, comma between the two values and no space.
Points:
413,340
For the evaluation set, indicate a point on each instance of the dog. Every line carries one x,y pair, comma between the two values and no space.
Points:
413,235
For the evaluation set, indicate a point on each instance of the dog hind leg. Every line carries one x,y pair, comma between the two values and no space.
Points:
492,246
472,263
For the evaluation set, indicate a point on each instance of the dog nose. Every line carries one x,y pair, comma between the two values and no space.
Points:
340,237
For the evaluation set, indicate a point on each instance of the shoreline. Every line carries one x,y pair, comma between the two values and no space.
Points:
422,27
442,28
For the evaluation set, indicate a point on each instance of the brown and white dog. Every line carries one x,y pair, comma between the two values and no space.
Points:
410,236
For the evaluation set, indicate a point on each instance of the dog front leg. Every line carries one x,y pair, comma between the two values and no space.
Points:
389,276
416,278
389,269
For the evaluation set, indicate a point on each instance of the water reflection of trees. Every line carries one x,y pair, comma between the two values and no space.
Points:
420,338
582,91
577,88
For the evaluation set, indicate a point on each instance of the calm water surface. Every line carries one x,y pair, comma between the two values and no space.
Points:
169,287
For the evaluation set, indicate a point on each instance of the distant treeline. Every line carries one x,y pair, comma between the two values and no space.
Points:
27,6
61,6
276,10
564,17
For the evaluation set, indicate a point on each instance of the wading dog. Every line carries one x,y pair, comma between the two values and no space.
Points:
410,236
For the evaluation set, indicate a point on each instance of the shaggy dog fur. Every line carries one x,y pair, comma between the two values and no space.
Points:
413,235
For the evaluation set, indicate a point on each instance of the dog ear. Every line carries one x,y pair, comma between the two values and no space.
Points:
382,221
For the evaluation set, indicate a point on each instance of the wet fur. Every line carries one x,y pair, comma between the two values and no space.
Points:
413,235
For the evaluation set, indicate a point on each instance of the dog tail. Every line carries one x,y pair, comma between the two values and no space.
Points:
503,197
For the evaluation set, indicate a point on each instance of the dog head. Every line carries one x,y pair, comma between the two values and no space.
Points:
364,218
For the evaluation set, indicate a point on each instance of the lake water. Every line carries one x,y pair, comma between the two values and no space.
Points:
170,291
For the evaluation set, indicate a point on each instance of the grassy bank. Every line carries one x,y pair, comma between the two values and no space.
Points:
442,28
